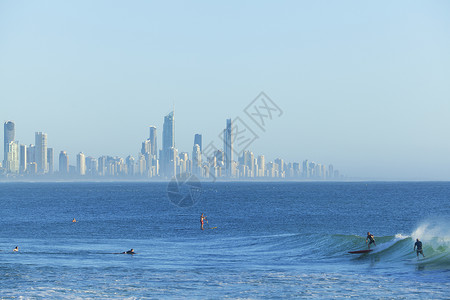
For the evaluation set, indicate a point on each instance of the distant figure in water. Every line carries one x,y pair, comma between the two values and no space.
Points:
202,220
418,244
131,251
74,221
17,249
370,239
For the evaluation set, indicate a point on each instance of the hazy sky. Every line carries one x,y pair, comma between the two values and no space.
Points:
364,85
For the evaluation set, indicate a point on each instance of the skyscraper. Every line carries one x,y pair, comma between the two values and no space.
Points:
196,160
228,147
130,165
146,147
12,161
152,138
63,163
50,160
262,166
41,152
31,154
9,133
81,164
198,141
168,144
23,159
305,169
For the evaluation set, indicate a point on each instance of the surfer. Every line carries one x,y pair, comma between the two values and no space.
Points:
370,239
202,221
131,251
418,244
17,249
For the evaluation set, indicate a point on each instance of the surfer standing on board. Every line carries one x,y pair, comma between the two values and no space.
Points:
418,244
370,239
202,221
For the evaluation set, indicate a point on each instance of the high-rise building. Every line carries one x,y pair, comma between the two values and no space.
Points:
41,152
141,164
153,141
31,154
9,133
91,165
23,159
198,141
261,166
50,160
305,169
172,162
63,163
146,147
102,165
168,144
130,165
248,160
81,164
330,172
196,160
12,160
228,147
296,169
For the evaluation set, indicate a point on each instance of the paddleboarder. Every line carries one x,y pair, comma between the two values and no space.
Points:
370,239
202,221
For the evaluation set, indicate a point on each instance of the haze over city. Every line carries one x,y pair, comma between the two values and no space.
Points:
362,87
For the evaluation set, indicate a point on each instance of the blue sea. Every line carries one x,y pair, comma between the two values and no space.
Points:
273,240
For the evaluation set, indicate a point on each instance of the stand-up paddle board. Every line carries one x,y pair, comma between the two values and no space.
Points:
360,251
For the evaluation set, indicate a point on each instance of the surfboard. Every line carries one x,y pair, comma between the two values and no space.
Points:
360,251
212,228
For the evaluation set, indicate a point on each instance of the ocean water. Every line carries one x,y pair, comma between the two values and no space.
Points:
273,240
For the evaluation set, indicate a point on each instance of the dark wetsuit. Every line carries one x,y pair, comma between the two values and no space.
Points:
370,238
418,244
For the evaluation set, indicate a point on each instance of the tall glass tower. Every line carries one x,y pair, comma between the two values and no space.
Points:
198,140
9,133
154,146
168,143
41,152
228,147
63,163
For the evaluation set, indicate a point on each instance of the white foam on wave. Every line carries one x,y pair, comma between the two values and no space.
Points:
435,232
400,236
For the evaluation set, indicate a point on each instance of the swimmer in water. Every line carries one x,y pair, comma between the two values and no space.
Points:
74,221
16,249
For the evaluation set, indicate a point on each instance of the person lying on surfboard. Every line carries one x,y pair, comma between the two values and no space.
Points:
370,239
131,251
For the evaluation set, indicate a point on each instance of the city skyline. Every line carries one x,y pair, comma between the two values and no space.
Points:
361,86
38,159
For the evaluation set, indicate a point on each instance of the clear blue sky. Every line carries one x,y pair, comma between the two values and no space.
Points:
364,85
